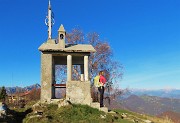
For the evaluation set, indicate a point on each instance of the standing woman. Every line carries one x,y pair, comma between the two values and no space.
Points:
102,81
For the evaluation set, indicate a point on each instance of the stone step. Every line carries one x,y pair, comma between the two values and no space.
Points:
111,112
95,105
105,109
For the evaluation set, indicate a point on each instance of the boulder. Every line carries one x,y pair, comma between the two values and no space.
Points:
123,115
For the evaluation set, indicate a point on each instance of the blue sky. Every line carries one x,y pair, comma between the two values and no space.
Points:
144,36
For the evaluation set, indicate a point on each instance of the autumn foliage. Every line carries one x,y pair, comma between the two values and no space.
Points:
34,94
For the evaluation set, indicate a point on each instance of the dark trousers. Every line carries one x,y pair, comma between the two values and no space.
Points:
101,91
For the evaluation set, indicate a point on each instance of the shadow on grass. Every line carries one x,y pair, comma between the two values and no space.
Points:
15,116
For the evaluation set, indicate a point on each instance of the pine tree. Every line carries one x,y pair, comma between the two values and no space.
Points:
3,94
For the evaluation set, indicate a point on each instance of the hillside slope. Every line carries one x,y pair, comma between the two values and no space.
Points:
150,104
50,113
171,115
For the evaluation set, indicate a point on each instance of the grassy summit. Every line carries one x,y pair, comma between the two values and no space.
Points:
72,114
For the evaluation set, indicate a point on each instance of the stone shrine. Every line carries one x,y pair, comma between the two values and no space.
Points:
52,54
57,52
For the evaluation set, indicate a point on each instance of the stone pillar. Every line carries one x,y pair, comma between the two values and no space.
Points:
86,74
46,77
69,68
53,79
82,72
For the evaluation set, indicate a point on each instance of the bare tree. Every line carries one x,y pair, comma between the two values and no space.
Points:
34,94
101,60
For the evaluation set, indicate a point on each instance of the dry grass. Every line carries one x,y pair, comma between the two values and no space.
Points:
160,120
133,115
166,120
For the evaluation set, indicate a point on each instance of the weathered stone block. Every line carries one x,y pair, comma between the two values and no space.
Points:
78,92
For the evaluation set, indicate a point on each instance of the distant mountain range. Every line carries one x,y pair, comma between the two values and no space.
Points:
169,93
164,93
12,90
150,104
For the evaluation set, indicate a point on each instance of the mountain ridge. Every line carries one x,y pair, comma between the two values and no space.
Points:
169,93
151,105
12,90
